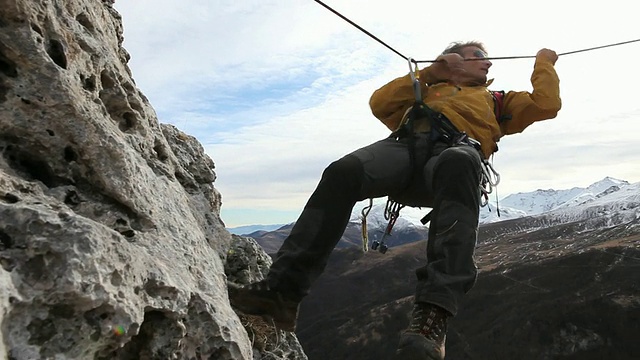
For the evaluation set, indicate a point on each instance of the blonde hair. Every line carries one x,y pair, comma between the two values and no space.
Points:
456,47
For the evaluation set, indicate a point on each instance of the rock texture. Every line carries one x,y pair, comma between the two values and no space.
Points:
111,243
247,262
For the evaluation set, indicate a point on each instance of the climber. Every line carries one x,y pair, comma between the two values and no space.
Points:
443,171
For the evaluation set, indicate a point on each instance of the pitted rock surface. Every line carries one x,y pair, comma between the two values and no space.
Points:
111,241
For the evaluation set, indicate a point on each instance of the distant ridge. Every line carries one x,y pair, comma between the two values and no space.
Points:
250,229
608,195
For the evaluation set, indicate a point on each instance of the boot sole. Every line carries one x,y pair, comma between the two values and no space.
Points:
417,347
271,310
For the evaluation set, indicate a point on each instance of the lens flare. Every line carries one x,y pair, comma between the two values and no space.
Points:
118,330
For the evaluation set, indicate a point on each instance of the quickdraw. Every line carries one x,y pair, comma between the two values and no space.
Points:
391,213
490,180
365,232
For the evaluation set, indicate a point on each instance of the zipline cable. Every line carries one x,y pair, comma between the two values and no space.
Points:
561,54
360,28
488,58
599,47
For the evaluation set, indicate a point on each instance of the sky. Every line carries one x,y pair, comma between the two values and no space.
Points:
277,90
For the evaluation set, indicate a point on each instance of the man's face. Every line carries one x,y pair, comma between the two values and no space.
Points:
476,66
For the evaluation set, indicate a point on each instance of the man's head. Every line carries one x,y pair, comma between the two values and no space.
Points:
476,66
457,47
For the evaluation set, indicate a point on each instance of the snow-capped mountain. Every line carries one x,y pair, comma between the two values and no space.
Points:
603,197
542,201
610,200
614,205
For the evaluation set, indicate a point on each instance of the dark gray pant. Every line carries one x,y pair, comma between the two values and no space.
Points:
445,178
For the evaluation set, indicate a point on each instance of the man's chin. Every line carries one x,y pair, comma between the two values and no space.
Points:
478,81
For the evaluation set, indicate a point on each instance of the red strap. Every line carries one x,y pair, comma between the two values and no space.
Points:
498,100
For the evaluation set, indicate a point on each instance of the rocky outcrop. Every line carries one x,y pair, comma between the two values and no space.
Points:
111,242
247,262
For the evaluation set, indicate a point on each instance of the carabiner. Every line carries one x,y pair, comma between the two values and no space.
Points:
491,174
415,78
413,69
365,232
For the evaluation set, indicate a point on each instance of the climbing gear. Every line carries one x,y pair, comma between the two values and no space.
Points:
489,181
391,213
426,336
490,177
405,130
259,299
419,110
441,130
365,233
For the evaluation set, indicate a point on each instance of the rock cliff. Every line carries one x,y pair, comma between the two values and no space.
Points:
111,243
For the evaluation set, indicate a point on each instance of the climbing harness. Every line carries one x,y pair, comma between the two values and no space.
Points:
441,129
405,129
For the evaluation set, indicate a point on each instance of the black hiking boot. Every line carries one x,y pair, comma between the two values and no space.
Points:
259,299
425,338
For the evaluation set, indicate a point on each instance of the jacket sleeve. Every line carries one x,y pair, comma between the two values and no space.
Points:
390,102
542,103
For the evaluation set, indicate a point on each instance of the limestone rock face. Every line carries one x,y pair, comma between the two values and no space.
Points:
111,243
246,263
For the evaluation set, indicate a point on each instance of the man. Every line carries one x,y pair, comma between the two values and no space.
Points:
424,166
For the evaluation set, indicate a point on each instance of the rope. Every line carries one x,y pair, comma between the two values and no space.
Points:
561,54
360,28
488,58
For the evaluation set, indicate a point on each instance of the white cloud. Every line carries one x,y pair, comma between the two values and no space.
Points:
276,90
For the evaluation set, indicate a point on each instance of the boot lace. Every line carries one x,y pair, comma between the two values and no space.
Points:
430,321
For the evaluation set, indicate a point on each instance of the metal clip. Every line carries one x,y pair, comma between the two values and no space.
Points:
415,78
492,176
490,179
365,232
391,213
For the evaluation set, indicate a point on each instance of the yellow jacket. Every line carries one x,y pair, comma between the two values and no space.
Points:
471,108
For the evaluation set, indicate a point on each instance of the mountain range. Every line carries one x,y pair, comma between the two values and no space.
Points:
558,279
608,196
546,289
